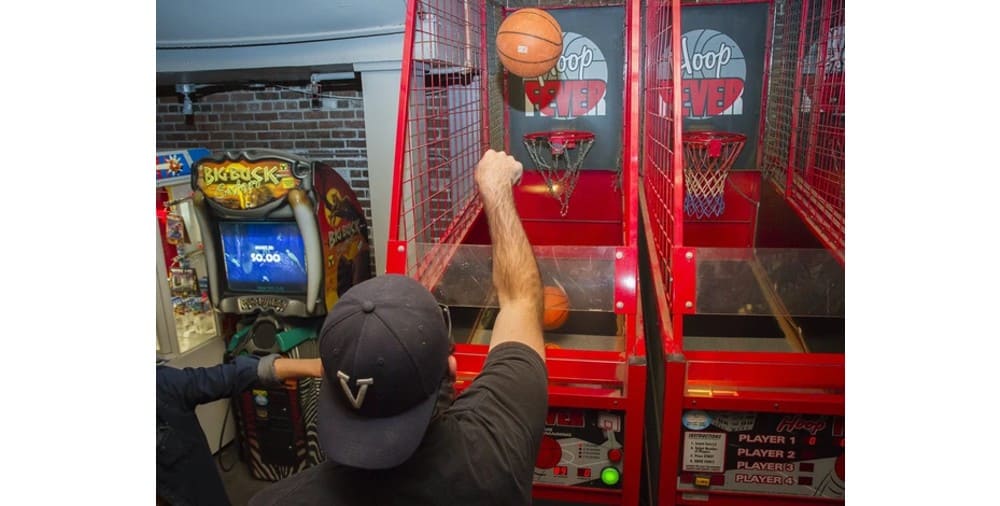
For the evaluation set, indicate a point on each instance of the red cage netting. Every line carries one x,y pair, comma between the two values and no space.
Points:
660,129
452,109
803,144
445,130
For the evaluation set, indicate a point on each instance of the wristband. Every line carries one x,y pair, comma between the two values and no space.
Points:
265,370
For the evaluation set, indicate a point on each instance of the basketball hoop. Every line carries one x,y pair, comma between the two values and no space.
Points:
708,157
558,156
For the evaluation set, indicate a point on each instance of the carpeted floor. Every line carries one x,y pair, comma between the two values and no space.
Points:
240,484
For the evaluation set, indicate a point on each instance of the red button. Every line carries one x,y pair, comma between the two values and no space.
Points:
549,454
615,455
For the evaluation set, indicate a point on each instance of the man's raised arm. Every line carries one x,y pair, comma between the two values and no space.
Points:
515,270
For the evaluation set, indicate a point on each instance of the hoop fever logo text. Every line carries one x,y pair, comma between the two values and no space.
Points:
714,74
574,87
793,423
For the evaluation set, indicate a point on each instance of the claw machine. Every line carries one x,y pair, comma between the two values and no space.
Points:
187,330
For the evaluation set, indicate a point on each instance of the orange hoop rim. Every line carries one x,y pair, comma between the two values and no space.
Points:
566,137
706,138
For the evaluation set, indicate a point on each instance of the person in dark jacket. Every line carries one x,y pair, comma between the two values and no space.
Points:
186,474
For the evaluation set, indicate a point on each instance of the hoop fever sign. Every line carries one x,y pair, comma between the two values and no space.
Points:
575,86
585,90
714,74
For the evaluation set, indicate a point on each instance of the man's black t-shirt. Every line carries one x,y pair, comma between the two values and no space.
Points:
481,450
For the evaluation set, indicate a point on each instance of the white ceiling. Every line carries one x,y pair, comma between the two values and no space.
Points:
215,23
239,40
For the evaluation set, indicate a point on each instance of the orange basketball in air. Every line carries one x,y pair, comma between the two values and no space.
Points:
556,305
529,42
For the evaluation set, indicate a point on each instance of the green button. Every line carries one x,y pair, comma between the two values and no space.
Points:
610,476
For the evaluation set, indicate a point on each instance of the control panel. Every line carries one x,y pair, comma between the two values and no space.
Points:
582,448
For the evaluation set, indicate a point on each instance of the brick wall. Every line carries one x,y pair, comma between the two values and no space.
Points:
284,118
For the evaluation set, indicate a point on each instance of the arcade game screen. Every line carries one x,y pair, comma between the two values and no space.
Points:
263,257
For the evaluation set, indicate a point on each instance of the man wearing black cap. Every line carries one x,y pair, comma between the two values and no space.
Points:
391,433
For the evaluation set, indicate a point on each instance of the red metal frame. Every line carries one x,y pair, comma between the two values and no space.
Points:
397,172
793,383
613,380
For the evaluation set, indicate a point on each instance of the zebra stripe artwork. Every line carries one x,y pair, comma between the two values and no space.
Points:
279,424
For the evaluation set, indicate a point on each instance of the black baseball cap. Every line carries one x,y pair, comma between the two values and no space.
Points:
384,347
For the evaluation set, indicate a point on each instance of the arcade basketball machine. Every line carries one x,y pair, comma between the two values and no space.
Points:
285,237
742,207
574,130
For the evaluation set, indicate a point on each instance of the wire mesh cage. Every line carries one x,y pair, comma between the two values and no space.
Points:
443,127
804,135
453,107
691,216
660,134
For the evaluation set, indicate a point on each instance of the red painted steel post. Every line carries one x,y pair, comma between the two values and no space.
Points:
401,127
673,396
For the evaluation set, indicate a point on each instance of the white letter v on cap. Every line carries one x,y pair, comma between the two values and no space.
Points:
363,383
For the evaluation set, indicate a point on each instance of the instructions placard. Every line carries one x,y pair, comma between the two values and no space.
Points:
704,451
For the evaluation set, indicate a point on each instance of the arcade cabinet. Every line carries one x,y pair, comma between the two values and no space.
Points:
742,207
574,130
284,237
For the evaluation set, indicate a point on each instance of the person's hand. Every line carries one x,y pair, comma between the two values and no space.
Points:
496,172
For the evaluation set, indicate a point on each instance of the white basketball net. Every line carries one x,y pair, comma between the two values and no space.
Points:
706,167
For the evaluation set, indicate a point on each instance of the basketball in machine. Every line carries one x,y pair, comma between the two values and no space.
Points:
284,238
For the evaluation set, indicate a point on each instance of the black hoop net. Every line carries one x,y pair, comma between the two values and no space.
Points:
558,155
